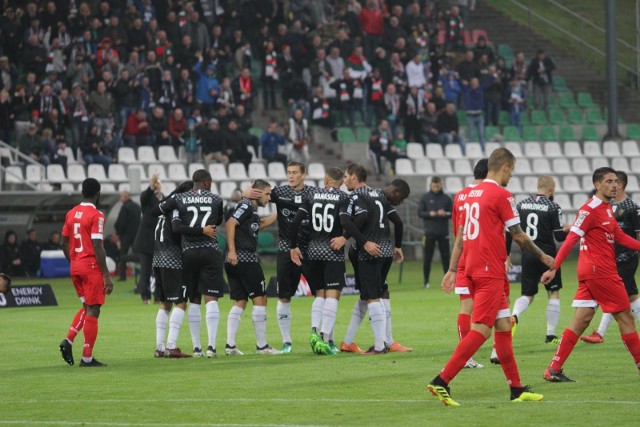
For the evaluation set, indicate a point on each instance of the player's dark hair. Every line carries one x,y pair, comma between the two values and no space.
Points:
90,188
7,279
303,168
335,174
182,188
201,175
260,184
358,170
598,174
402,186
500,157
622,178
481,169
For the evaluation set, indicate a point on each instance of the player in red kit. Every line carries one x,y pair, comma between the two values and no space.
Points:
598,280
488,208
82,237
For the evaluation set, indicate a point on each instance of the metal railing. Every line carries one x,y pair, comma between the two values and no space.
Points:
20,159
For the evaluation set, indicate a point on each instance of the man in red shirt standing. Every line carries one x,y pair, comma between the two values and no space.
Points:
489,208
372,24
82,237
598,280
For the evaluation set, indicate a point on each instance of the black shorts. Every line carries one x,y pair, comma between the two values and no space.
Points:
386,266
246,280
203,272
170,285
370,274
288,275
627,272
325,275
532,270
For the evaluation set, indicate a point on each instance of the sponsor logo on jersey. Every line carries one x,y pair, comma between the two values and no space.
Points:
286,212
255,226
512,202
298,199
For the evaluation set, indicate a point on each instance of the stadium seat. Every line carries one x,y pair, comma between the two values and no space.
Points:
559,84
117,173
533,150
107,187
576,117
599,162
505,50
523,167
453,184
530,184
556,116
571,184
453,151
434,151
572,149
515,186
256,171
157,169
14,175
462,167
515,148
632,183
257,132
168,187
512,133
415,150
404,167
566,99
552,149
194,167
143,173
530,133
579,199
218,172
238,172
124,186
177,173
476,34
594,116
97,171
127,155
443,167
363,134
620,163
462,118
630,148
541,166
561,166
633,132
548,133
167,154
276,170
585,100
567,134
490,146
76,173
67,187
316,171
490,132
5,153
592,149
424,167
227,188
581,166
71,156
264,210
503,118
611,149
473,150
214,188
56,175
564,200
589,133
35,173
147,155
538,117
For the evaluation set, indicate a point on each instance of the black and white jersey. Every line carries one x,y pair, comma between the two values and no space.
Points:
195,209
540,218
323,208
627,213
248,225
167,252
288,201
375,204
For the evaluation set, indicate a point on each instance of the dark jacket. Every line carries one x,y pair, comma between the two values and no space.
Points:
436,225
128,221
144,239
30,255
538,78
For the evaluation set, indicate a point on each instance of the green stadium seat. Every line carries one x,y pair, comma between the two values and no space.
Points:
538,117
511,133
524,118
553,101
222,241
633,132
567,134
589,133
576,116
363,134
503,118
594,116
548,133
585,100
257,132
267,243
566,99
505,50
346,135
530,133
490,132
462,118
556,116
559,84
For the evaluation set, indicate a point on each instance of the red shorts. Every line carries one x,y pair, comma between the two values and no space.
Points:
608,292
463,286
489,300
507,287
89,287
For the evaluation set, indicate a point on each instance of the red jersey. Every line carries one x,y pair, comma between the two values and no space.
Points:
488,209
82,224
459,217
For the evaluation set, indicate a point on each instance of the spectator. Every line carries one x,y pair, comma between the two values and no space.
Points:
454,27
414,111
30,253
176,126
540,72
468,68
344,96
207,90
10,255
105,53
483,49
450,85
336,63
429,125
244,90
226,98
125,96
30,144
93,151
191,142
448,128
519,67
473,94
102,107
493,96
270,140
517,99
126,226
321,112
137,131
392,106
34,57
212,140
416,72
379,143
235,144
158,127
198,32
269,76
372,24
53,244
6,117
299,137
185,91
168,96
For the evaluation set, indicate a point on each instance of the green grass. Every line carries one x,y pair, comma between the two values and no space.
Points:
300,389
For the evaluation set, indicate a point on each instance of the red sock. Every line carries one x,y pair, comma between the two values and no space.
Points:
90,335
567,342
464,325
632,342
465,349
77,324
504,349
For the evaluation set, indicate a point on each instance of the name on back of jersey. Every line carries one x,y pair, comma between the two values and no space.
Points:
326,196
534,207
197,200
475,193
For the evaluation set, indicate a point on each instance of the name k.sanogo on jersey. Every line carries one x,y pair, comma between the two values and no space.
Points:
541,219
246,237
287,202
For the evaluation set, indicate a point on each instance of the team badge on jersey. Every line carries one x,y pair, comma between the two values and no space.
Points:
512,202
298,199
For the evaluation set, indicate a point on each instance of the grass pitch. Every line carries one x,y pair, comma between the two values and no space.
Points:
38,388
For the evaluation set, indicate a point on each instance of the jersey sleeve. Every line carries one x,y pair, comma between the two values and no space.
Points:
635,219
343,204
241,213
583,222
507,210
97,226
556,218
359,205
275,195
168,205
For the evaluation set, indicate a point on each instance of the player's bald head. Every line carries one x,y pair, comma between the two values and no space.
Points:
545,182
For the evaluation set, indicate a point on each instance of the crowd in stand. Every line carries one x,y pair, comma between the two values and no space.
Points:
96,76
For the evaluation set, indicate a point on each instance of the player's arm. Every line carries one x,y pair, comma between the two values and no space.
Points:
179,227
526,244
64,243
97,236
398,231
556,224
166,206
268,220
338,243
230,227
294,251
449,279
635,221
624,239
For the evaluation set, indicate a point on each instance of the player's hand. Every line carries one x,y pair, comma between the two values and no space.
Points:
338,243
398,256
566,228
296,256
449,281
232,258
548,276
548,261
252,193
372,249
154,181
508,264
108,285
209,230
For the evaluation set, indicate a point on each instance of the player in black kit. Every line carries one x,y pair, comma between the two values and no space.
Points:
193,211
246,278
627,213
325,266
288,198
541,219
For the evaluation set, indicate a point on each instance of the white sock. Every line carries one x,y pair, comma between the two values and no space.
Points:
604,323
553,315
520,306
233,322
212,313
259,316
494,353
194,317
175,322
316,313
635,308
359,310
161,328
387,311
329,314
378,323
284,320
